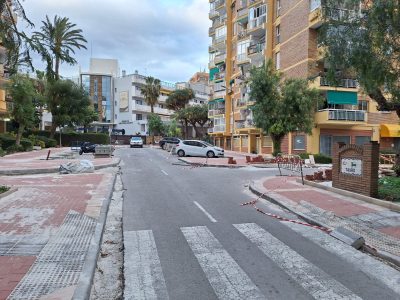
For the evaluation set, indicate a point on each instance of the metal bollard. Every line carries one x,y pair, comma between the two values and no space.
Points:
48,155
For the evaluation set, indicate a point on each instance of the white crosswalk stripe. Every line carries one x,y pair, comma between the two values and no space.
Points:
226,277
315,281
143,276
368,265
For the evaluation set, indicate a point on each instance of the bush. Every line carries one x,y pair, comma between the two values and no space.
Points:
68,138
304,155
3,188
2,152
26,144
389,188
48,142
388,151
322,159
14,148
7,140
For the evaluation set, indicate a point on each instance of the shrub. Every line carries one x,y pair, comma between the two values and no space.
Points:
14,148
3,188
2,152
48,142
322,159
6,140
304,155
389,188
26,144
388,151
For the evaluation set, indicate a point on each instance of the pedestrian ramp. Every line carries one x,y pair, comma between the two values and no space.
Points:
60,262
144,277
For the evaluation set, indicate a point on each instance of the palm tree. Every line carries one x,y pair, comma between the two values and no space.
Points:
56,41
151,91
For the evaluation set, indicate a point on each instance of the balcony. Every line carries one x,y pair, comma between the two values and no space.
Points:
246,124
220,58
340,116
242,14
213,14
219,4
211,31
242,59
219,40
157,110
219,128
216,112
220,75
346,83
257,26
316,17
219,94
242,34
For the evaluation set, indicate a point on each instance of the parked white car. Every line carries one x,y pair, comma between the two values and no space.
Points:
198,148
136,141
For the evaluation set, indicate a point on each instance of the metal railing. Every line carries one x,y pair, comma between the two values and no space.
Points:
241,57
255,48
242,12
346,115
257,22
215,112
345,82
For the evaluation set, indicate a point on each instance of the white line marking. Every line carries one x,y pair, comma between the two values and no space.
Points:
315,281
164,172
205,212
366,264
144,278
226,277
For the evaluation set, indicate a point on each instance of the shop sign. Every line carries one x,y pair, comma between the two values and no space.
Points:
352,166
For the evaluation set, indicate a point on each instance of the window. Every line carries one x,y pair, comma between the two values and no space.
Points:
363,105
361,140
242,50
299,142
257,16
278,34
139,102
267,141
220,32
278,60
139,117
278,8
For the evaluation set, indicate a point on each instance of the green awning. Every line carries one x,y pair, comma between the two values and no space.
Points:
213,71
336,97
217,100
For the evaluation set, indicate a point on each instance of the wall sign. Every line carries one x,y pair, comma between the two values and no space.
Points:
352,166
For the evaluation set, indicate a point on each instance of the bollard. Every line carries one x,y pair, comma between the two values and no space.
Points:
48,155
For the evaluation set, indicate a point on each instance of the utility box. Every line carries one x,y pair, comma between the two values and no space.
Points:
103,151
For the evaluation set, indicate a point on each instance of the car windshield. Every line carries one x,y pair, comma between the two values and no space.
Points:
136,138
208,144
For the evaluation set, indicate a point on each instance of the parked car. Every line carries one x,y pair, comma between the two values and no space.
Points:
136,141
198,148
87,147
166,140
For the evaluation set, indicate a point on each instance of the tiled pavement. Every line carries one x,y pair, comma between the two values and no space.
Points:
34,213
378,225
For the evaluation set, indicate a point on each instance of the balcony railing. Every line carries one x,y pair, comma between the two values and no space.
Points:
255,48
220,94
219,58
242,12
241,57
219,76
213,14
216,112
244,124
345,115
210,130
338,14
219,128
257,22
211,31
219,3
219,40
344,82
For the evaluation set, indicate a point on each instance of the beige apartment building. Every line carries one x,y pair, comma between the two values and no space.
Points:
244,33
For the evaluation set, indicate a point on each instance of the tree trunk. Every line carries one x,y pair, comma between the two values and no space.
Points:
186,129
277,141
19,134
383,103
53,129
57,68
196,130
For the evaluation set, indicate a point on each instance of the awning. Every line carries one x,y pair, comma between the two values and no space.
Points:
390,130
213,71
217,100
336,97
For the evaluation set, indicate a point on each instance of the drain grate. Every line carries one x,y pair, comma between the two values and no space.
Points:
60,262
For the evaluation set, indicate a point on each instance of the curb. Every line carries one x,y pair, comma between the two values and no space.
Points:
84,286
386,204
211,166
49,170
379,253
9,192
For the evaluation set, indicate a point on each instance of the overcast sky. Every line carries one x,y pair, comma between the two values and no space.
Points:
167,39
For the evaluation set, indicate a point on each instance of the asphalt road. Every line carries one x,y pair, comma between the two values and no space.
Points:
187,237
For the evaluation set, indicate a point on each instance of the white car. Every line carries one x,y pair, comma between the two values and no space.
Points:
136,141
198,148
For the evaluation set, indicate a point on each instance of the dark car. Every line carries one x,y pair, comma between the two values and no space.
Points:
87,147
166,140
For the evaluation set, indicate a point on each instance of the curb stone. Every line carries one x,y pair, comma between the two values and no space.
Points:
84,286
212,166
379,253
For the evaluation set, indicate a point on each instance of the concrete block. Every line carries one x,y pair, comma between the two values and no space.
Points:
349,237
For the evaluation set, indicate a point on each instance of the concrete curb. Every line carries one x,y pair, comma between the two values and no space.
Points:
49,170
379,253
9,192
386,204
84,286
211,166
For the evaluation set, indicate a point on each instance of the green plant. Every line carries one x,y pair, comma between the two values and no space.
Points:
3,188
389,188
2,152
304,155
7,140
26,144
48,142
322,159
15,148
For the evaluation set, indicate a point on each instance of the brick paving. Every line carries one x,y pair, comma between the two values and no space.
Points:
32,215
379,226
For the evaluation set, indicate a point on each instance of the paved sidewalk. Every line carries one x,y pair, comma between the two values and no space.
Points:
47,222
379,226
34,162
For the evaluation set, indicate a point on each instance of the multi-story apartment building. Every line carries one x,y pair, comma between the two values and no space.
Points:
246,32
131,109
4,117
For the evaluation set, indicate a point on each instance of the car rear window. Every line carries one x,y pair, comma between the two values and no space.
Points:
136,138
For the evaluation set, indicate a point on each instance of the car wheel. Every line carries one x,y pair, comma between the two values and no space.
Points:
131,146
181,153
141,146
80,152
210,154
164,146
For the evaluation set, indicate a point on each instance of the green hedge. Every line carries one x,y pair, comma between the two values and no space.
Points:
7,142
319,158
68,138
48,142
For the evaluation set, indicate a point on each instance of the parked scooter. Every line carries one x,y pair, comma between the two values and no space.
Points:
87,147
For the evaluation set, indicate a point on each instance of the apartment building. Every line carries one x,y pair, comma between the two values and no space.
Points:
246,32
4,116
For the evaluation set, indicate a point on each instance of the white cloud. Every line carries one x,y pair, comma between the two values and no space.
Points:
166,38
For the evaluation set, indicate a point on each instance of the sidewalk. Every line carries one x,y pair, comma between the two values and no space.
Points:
48,223
34,162
379,226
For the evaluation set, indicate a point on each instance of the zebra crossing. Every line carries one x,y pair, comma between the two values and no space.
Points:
144,277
